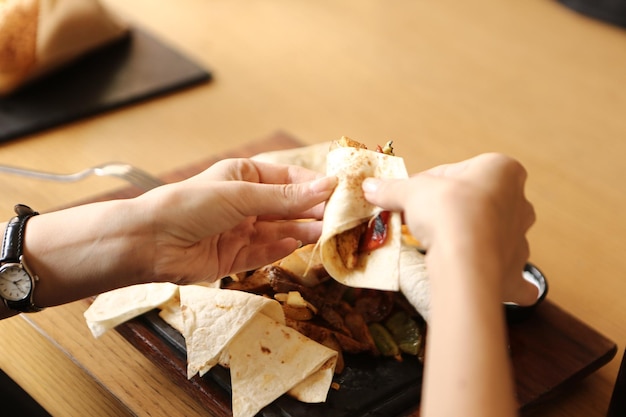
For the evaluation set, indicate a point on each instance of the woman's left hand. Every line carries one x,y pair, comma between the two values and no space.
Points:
237,215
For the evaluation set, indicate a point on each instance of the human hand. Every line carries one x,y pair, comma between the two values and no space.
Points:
474,210
237,215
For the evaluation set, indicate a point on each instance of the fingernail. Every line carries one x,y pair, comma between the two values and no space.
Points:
299,244
370,185
323,184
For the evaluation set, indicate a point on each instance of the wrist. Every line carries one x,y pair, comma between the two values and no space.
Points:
466,268
85,250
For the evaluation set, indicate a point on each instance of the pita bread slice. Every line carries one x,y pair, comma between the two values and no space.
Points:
347,208
267,359
39,36
18,41
114,307
212,317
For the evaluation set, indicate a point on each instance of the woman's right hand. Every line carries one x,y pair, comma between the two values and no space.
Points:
474,208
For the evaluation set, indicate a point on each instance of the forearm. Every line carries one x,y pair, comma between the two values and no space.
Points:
86,250
468,371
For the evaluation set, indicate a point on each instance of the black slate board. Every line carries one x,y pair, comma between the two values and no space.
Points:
609,11
369,386
132,69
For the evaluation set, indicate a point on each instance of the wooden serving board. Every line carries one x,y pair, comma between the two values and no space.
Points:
550,350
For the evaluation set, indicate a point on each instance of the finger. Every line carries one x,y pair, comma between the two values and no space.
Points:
256,256
393,194
483,168
284,174
304,231
388,194
284,200
447,170
529,215
316,212
243,169
250,170
457,168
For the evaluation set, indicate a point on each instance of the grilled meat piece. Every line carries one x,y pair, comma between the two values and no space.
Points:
358,328
258,282
319,333
334,319
374,305
345,142
348,245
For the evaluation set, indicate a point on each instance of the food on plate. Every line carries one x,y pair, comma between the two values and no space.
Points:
305,265
396,265
248,334
238,330
336,315
40,36
286,327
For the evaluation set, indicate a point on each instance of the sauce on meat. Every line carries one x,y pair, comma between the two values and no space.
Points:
376,233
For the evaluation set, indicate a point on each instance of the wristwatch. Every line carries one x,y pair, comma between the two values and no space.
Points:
17,283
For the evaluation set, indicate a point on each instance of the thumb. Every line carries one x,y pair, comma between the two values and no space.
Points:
285,199
388,194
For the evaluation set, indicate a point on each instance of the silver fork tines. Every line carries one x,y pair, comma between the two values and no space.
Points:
129,173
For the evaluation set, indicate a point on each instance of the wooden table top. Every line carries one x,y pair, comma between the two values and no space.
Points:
444,80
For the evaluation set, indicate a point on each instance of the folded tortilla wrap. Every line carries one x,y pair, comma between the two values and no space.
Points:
242,331
212,317
398,266
247,333
117,306
347,208
268,359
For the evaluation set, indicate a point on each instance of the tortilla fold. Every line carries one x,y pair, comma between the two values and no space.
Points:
212,317
414,282
247,333
268,359
114,307
347,208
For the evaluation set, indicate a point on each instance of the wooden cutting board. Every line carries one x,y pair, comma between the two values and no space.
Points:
550,350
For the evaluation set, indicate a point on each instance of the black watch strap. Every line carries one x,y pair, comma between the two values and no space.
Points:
11,252
13,242
24,306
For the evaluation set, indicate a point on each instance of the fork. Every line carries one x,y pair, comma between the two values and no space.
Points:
129,173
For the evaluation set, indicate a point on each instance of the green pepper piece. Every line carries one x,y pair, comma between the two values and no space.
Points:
384,341
405,332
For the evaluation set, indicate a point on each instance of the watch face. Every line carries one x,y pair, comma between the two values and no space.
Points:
15,283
